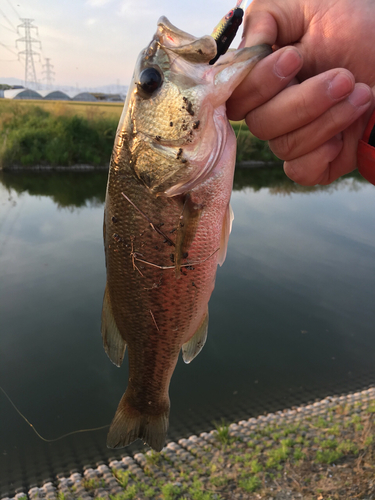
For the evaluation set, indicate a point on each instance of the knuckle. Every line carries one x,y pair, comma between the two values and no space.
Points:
257,125
295,171
284,146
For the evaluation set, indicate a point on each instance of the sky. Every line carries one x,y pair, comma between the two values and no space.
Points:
93,43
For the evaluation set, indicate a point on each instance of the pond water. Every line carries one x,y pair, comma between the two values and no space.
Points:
291,318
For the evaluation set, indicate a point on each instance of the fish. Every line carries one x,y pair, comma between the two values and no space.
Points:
167,218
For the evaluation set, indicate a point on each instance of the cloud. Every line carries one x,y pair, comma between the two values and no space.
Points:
97,3
91,21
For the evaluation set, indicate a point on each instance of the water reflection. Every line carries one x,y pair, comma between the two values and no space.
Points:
79,189
291,317
66,189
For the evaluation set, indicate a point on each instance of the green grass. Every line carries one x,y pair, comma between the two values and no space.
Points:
31,135
60,133
250,484
223,432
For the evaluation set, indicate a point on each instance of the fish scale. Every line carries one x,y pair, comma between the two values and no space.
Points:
167,219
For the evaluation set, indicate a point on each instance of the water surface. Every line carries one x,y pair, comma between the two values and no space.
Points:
291,316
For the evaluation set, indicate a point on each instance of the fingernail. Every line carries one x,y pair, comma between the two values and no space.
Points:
288,63
340,86
360,96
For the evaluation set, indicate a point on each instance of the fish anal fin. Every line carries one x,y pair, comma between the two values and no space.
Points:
187,228
114,344
130,424
193,347
225,232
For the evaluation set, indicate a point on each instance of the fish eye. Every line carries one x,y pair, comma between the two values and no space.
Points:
149,80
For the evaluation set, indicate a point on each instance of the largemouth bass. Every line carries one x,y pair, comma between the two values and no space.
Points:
167,218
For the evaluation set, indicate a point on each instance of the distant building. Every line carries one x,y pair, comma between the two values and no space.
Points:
58,95
54,95
21,94
101,96
82,96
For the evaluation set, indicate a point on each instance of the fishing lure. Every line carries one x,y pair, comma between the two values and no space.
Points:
227,28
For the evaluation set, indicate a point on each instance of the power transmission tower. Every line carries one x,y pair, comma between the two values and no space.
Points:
28,40
49,73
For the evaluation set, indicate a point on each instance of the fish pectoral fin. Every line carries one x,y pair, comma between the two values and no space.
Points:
193,347
114,344
130,424
225,232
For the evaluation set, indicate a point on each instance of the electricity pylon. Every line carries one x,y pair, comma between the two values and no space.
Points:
49,73
29,53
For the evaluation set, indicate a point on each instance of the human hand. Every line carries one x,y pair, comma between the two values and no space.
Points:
313,121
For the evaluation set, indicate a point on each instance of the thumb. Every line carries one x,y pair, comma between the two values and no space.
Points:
273,22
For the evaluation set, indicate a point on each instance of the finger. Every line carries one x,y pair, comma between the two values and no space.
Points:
301,104
309,169
346,161
267,22
305,139
268,78
331,160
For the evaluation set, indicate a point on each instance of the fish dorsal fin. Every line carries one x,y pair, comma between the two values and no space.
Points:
114,344
186,229
225,232
193,347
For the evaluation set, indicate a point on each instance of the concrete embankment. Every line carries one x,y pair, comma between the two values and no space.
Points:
321,451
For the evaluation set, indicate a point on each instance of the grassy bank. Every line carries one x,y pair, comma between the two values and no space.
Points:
59,133
32,135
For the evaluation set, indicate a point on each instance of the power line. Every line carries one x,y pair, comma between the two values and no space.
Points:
10,50
29,53
5,17
9,29
14,10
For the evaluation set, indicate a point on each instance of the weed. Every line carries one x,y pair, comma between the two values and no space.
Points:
223,432
250,484
91,484
219,480
122,477
130,492
329,444
255,466
298,455
153,457
328,456
369,440
149,492
170,491
348,447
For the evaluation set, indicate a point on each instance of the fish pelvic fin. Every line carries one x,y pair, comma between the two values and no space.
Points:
193,347
130,424
114,344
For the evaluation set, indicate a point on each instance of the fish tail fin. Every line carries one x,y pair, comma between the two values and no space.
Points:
130,424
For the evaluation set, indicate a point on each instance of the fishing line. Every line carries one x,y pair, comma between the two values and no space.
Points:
239,129
37,433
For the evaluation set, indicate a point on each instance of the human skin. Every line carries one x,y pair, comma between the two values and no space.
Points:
312,98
